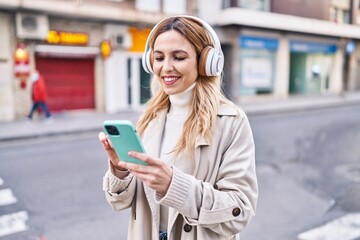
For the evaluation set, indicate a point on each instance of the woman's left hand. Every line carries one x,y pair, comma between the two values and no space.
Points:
157,174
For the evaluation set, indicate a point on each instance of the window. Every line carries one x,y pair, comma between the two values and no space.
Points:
261,5
340,11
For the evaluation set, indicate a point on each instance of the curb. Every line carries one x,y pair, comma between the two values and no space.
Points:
74,124
300,105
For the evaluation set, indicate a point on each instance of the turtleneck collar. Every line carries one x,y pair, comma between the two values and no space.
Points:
180,103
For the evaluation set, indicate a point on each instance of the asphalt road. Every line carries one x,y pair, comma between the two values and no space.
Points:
58,182
307,163
309,171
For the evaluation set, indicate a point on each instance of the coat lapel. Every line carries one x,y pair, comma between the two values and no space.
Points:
151,141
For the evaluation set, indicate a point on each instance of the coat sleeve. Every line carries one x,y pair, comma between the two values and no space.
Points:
227,206
119,192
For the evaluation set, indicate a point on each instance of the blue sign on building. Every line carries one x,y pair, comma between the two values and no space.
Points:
350,47
258,42
308,47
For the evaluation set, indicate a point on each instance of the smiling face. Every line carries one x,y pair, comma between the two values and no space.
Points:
174,62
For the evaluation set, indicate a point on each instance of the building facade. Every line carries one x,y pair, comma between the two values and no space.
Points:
89,51
280,48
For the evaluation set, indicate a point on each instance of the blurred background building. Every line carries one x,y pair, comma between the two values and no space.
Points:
89,51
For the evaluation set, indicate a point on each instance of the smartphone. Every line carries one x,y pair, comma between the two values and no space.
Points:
124,138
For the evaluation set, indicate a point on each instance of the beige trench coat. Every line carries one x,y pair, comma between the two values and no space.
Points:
213,197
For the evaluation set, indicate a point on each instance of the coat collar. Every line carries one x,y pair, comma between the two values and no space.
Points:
228,110
224,110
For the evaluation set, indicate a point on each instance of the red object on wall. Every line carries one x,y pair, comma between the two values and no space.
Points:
70,82
22,65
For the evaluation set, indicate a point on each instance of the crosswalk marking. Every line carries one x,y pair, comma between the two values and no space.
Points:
13,223
7,197
344,228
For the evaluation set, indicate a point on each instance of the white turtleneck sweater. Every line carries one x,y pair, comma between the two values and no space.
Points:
179,110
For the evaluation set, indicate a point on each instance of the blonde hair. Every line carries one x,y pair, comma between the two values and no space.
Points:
206,97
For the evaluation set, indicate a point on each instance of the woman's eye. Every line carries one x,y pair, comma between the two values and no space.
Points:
179,58
159,59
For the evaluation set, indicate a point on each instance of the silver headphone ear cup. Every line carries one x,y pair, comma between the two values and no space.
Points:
210,62
144,62
215,63
219,63
148,62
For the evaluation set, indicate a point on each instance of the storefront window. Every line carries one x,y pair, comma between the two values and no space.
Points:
230,3
310,67
261,5
257,65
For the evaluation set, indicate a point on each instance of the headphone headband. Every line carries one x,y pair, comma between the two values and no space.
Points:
214,60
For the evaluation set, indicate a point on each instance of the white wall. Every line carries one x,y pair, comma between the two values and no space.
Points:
281,83
174,7
209,10
147,5
7,111
116,92
336,83
116,82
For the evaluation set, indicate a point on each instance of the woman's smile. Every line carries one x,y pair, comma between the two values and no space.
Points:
170,80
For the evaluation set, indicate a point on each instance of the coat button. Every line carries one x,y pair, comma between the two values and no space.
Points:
236,212
187,228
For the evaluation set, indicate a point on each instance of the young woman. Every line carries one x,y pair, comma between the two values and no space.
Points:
200,181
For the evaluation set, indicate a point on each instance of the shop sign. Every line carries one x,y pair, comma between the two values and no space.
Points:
312,47
67,38
139,37
253,42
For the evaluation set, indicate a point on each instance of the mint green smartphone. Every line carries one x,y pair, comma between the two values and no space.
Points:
124,138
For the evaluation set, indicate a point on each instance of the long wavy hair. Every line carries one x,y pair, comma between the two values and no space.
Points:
207,94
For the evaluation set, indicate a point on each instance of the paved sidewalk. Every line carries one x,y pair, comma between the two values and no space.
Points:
82,121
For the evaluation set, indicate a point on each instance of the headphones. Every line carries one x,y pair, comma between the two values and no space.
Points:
211,61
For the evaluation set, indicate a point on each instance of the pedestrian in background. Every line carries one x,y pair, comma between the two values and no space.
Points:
38,95
200,181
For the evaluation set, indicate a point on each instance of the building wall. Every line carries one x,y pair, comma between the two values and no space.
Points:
354,75
318,9
281,87
7,83
120,73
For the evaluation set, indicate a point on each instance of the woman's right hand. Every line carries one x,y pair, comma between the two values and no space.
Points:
114,159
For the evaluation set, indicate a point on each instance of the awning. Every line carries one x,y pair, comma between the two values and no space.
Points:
67,51
282,22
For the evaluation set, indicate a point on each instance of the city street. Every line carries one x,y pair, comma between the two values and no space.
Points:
309,172
307,163
293,67
57,181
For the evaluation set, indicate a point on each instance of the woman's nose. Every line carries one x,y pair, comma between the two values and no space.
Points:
168,65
